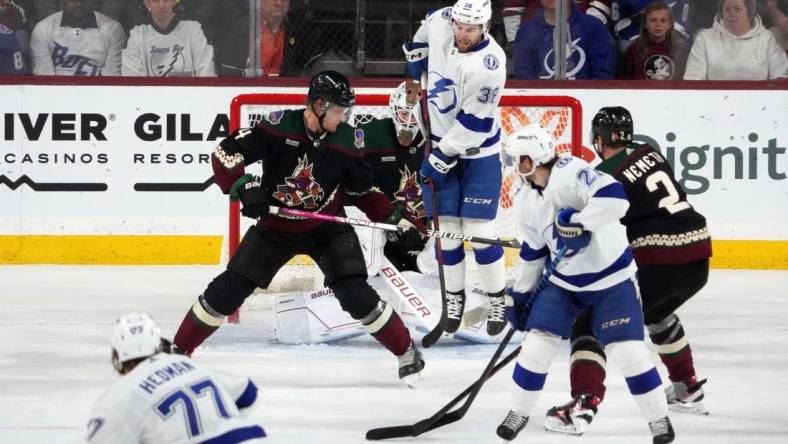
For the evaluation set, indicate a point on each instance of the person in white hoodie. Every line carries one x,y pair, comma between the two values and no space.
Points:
736,47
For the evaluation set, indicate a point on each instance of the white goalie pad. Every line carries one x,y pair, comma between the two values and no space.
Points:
316,317
372,241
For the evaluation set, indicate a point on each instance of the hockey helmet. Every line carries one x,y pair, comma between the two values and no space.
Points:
612,124
532,141
403,114
331,87
472,12
135,336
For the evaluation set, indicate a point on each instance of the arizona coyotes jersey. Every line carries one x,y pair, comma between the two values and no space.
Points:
463,90
181,50
663,228
600,202
302,173
172,399
394,167
63,50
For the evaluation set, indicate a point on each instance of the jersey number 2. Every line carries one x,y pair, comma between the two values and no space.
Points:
186,398
672,202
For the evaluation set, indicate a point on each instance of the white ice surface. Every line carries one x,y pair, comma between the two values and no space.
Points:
55,323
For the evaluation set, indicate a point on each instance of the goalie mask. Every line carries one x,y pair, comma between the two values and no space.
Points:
613,126
135,336
472,12
404,115
532,141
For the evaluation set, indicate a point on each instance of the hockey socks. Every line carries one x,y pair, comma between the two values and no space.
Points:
200,322
587,368
642,378
387,328
673,348
538,350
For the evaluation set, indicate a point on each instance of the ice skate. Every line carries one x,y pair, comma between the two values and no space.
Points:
574,417
455,305
511,426
687,396
410,366
496,320
662,430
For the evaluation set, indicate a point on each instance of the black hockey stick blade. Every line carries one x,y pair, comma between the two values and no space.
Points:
443,415
432,337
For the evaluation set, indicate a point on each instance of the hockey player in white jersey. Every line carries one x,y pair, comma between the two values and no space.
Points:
571,204
168,398
466,72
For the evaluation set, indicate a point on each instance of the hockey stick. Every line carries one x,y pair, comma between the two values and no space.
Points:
390,227
444,416
432,337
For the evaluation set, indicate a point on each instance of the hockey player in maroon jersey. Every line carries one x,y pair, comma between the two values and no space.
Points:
311,160
672,247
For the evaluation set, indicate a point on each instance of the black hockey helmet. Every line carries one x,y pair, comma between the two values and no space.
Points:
332,87
613,124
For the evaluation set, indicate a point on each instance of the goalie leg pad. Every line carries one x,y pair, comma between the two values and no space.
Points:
260,256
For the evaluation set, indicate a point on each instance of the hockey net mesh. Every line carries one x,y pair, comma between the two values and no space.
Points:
302,274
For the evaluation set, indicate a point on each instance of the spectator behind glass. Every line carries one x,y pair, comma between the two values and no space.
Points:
589,54
517,12
736,47
289,42
13,40
658,53
135,12
77,42
777,11
167,46
110,8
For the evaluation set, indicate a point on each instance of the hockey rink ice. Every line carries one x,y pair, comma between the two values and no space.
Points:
55,323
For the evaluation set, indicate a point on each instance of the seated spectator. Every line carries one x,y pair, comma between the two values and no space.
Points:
167,46
77,42
289,42
135,12
111,8
628,16
736,47
13,40
777,11
517,12
589,54
658,53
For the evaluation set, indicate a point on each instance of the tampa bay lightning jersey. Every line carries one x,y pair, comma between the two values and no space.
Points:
59,49
463,90
171,398
626,16
600,201
13,39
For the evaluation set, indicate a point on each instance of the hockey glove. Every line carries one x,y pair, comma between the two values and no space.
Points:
436,167
570,233
402,218
252,196
517,308
416,56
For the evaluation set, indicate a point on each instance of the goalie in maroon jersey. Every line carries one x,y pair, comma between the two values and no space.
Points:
311,160
672,247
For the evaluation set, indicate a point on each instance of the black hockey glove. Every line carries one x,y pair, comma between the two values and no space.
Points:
252,196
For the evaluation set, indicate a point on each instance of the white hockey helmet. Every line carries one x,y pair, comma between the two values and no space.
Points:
532,141
472,12
403,114
135,336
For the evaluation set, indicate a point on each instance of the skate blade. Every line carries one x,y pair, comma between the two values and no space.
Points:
413,381
692,408
562,429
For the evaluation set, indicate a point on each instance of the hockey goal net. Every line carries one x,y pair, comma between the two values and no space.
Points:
560,115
